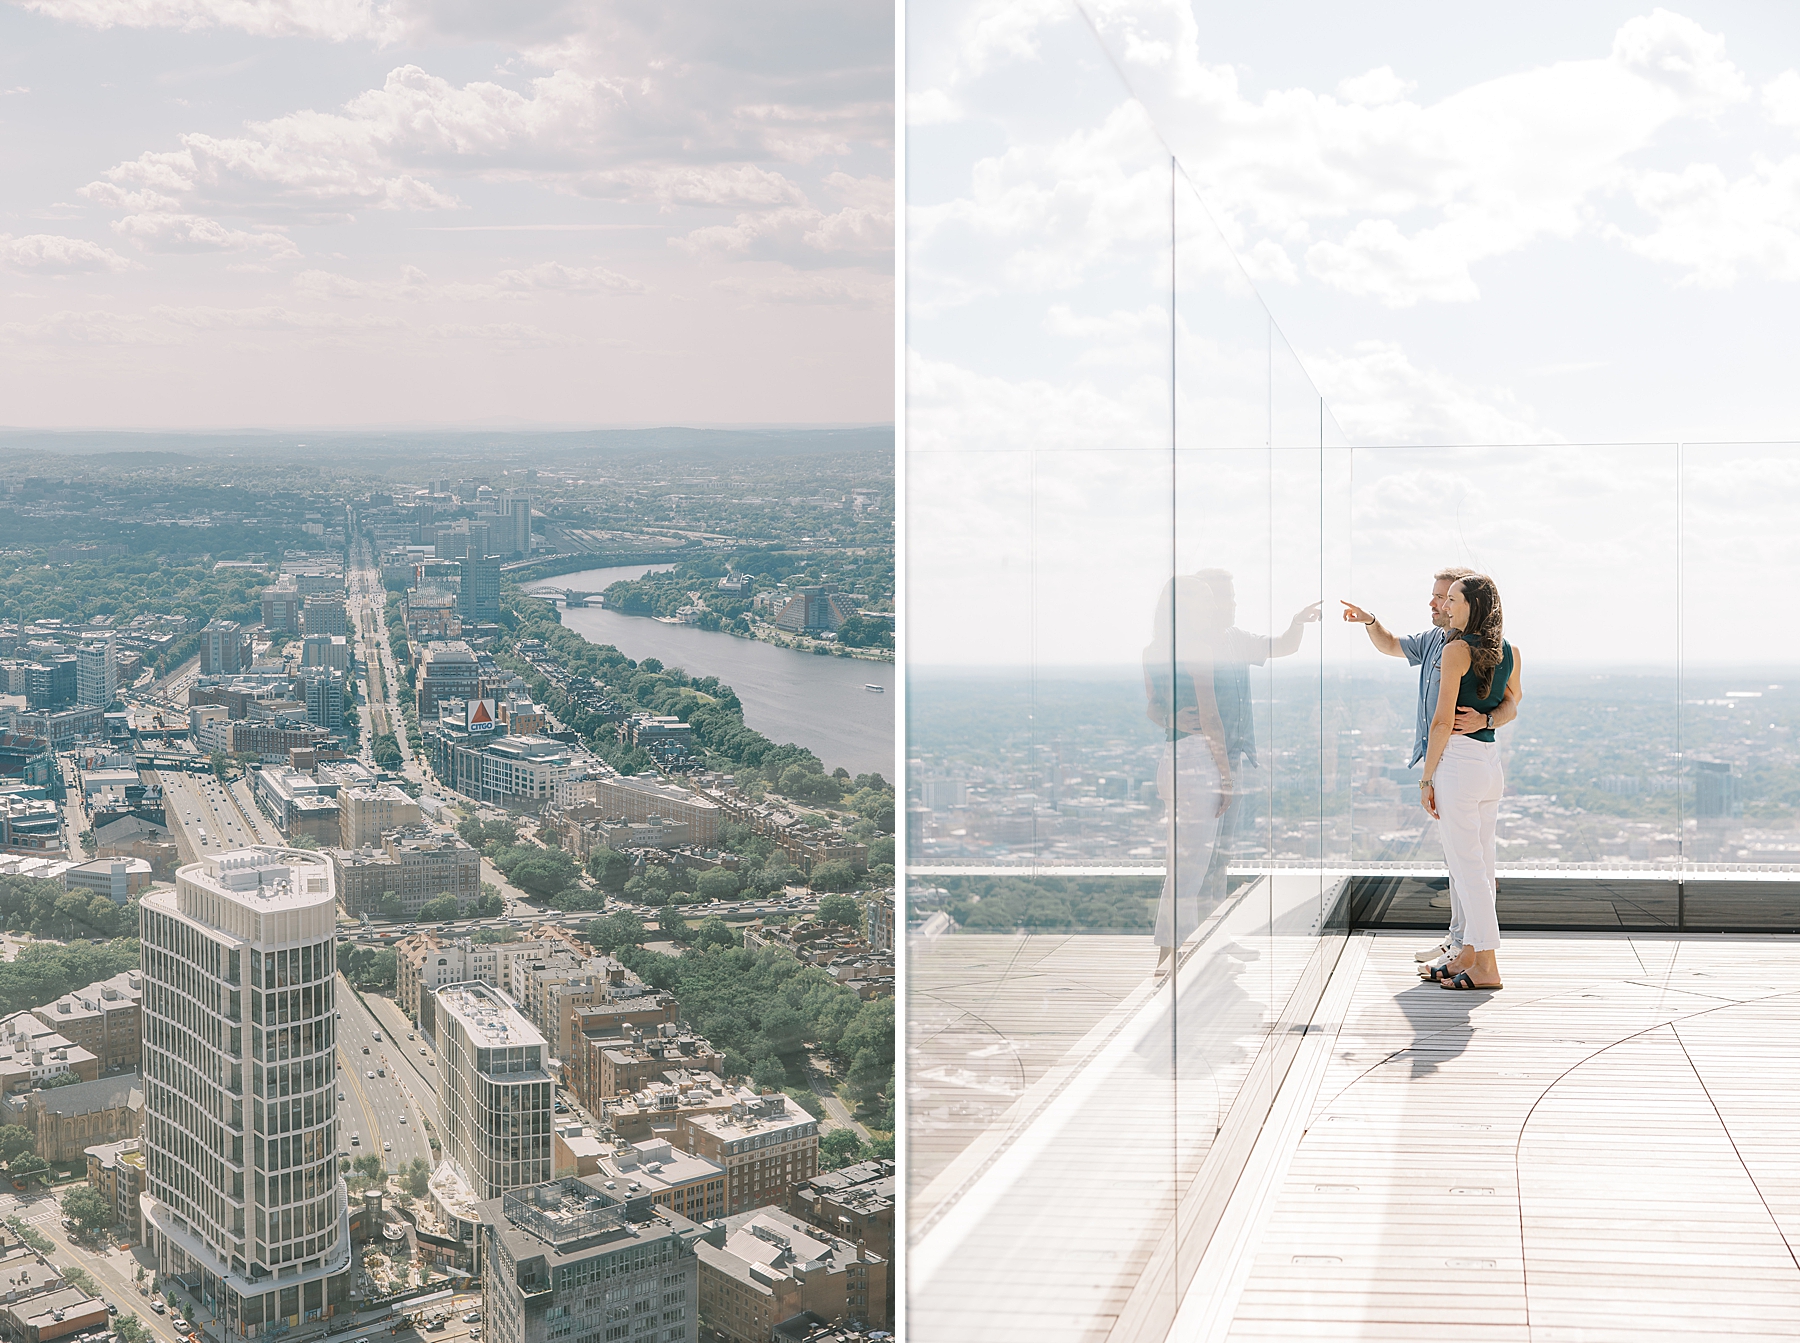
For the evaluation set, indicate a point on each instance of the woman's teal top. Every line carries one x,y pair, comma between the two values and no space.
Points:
1466,696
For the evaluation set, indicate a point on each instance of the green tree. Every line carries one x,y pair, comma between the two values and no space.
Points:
88,1208
16,1139
433,911
544,872
718,883
674,925
390,907
370,1167
417,1177
130,1329
611,870
836,875
769,1073
616,931
29,1167
839,1148
715,932
840,909
303,841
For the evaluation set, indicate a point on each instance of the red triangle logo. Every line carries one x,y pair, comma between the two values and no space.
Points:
481,714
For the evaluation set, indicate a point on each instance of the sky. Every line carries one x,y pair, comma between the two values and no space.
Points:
293,213
1464,239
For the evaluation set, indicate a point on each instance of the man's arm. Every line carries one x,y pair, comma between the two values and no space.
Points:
1378,634
1469,720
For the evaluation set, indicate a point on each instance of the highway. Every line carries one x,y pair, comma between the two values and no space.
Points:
211,818
390,1109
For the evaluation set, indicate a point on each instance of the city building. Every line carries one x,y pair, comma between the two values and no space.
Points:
425,962
115,1171
677,1180
325,650
30,825
274,742
224,648
53,682
447,670
281,607
298,803
496,1097
67,1120
415,866
574,1262
659,1109
512,534
431,615
50,1310
97,672
878,914
767,1147
763,1267
324,613
324,690
244,1193
62,728
855,1203
593,1028
638,799
102,1018
478,595
366,814
33,1053
118,878
494,768
462,538
629,1065
814,609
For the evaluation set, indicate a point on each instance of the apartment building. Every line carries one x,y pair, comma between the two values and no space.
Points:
366,814
416,866
688,1184
762,1268
240,1082
496,1096
102,1018
767,1146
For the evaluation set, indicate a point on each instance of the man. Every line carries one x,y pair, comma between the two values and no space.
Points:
1425,651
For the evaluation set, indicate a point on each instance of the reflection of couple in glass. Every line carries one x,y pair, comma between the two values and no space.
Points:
1197,682
1463,779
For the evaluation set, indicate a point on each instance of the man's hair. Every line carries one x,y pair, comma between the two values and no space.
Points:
1454,574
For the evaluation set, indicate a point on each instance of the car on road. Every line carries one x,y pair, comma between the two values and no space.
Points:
365,1049
111,1309
421,1051
387,1146
340,1095
159,1308
411,1036
473,1317
369,1075
179,1323
356,1140
381,1072
377,1037
402,1119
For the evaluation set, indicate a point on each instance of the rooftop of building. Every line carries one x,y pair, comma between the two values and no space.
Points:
105,1093
573,1219
865,1176
754,1117
766,1245
268,877
653,1166
45,1311
447,652
104,995
491,1018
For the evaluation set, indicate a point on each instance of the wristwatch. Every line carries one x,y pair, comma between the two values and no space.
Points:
1490,726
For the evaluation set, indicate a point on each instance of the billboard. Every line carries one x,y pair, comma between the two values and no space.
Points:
479,715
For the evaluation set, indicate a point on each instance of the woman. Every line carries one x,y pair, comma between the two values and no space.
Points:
1463,779
1194,778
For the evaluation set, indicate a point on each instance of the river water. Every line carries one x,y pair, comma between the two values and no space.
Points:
815,702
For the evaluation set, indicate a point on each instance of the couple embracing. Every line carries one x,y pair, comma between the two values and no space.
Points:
1470,681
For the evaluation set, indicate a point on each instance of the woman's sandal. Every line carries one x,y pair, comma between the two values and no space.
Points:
1436,974
1461,980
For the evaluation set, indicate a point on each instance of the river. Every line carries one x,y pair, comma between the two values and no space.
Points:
815,702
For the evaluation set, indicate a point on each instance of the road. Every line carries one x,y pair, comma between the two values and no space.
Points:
368,608
379,1109
825,1088
211,818
114,1270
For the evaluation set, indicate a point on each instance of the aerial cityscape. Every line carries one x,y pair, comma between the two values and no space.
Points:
374,938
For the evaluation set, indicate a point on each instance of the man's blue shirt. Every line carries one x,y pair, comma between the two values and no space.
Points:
1426,652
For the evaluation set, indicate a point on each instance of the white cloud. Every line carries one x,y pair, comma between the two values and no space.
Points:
51,254
729,185
82,328
1781,99
333,20
1375,88
805,234
1379,396
273,318
415,286
1716,228
165,232
835,288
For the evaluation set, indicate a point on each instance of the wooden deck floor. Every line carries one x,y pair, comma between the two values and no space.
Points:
1607,1150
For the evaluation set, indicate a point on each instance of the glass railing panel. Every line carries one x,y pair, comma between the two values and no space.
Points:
1740,685
1040,536
1581,540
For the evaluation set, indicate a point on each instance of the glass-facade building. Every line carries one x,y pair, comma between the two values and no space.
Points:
498,1097
244,1201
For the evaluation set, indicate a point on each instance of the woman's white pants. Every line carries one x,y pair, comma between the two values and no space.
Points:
1468,782
1188,783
